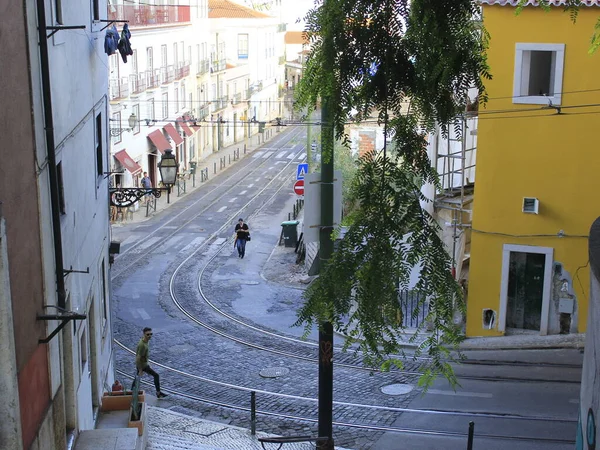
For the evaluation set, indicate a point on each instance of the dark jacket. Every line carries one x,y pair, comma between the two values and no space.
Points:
111,40
124,45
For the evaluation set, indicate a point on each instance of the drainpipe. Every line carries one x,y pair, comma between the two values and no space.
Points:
50,148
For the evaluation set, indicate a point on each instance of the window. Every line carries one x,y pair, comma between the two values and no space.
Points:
83,349
99,149
103,293
182,91
165,105
163,55
135,109
61,188
538,73
243,46
116,123
151,109
96,9
58,12
176,99
134,62
149,59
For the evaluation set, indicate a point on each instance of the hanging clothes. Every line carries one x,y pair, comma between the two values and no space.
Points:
124,45
111,40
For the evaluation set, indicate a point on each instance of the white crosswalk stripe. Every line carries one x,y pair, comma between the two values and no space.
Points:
257,154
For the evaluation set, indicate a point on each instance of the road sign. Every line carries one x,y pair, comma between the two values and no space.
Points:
302,170
299,187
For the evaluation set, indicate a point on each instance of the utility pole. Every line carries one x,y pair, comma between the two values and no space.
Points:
325,240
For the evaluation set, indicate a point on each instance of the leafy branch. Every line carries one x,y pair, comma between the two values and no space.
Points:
410,65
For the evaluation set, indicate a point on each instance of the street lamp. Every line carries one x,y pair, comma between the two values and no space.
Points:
123,197
168,170
132,121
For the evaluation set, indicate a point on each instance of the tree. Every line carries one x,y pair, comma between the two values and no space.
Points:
409,64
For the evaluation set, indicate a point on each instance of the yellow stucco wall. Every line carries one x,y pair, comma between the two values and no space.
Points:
535,153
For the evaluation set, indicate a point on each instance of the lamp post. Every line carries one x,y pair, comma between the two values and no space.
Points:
168,170
123,197
132,121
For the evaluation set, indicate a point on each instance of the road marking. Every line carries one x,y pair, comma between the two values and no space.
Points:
290,156
219,241
250,185
257,180
460,393
267,154
222,208
144,315
281,155
243,192
302,156
280,162
134,313
233,200
173,241
149,243
192,244
271,168
257,154
575,401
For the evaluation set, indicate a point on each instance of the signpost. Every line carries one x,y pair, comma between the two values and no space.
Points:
302,171
299,187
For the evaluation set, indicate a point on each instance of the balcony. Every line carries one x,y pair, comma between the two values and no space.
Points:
137,82
217,65
218,104
282,60
237,98
203,112
167,74
183,70
153,78
282,28
203,67
118,88
149,15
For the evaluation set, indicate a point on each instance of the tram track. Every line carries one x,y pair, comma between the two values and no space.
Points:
266,194
200,201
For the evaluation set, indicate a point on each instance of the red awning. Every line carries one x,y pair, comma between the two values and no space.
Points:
184,126
127,162
160,141
171,131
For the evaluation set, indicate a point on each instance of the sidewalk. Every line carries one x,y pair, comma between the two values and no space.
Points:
212,162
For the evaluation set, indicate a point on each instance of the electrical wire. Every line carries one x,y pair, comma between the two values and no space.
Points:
557,235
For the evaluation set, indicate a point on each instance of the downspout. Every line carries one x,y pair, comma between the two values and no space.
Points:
50,148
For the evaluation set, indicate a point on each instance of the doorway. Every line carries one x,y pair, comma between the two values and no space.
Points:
525,289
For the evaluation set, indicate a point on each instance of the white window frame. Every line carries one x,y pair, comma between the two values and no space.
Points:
506,251
522,66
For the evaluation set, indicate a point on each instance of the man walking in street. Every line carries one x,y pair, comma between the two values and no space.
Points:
147,184
141,361
242,234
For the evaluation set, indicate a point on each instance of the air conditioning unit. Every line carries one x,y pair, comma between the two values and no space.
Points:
531,205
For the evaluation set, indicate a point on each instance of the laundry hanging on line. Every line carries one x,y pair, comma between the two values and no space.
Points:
111,40
124,45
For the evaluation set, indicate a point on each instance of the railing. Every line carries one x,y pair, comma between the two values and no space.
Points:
237,98
138,82
148,15
219,103
249,93
203,112
153,78
182,71
203,67
282,60
281,28
119,88
216,65
167,74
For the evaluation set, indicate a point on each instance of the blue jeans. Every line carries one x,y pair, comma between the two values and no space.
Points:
240,244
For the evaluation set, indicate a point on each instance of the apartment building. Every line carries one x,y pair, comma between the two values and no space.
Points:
54,235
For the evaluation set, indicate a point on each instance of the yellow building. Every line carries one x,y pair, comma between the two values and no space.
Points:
538,183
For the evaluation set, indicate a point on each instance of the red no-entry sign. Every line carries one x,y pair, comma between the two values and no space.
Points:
299,187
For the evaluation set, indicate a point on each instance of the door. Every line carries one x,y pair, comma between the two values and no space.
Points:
525,290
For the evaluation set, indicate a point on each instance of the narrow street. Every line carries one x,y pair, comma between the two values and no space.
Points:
223,328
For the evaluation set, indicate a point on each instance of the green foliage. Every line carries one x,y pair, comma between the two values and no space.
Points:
409,63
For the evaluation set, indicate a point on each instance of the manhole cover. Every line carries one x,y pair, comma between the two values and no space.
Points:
274,372
397,389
